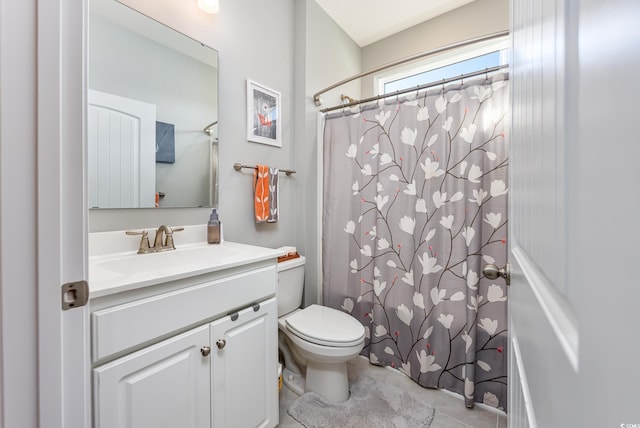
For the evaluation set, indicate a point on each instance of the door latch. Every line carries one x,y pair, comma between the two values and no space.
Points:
74,294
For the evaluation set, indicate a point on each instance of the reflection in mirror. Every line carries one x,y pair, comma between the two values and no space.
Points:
152,114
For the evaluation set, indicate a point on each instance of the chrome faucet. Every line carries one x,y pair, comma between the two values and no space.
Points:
158,244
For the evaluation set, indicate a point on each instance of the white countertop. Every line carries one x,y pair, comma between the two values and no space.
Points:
114,266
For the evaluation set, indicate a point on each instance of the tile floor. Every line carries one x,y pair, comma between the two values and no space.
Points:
450,411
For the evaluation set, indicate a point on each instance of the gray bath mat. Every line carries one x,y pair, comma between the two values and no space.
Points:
371,404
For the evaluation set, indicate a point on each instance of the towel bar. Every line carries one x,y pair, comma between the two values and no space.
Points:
239,166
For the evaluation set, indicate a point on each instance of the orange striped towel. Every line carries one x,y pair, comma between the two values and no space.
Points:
261,188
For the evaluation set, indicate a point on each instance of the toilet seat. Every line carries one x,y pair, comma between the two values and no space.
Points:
325,326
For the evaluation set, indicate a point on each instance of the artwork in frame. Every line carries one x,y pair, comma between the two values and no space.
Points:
165,142
263,115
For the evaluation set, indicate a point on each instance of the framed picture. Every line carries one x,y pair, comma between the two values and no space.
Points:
165,142
263,115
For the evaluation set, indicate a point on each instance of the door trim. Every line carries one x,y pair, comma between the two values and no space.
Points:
520,404
62,336
555,305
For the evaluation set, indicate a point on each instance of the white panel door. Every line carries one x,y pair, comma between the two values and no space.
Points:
573,299
166,385
244,372
121,152
543,351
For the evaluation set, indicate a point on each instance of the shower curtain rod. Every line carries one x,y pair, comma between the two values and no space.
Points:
316,96
418,88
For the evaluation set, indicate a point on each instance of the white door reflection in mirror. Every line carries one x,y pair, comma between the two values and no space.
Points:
121,151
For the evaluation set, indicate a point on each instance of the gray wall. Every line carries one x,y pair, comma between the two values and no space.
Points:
19,246
325,54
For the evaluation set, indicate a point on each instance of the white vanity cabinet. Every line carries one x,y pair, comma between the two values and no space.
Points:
164,385
243,375
194,352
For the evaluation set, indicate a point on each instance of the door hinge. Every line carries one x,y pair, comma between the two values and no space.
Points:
74,294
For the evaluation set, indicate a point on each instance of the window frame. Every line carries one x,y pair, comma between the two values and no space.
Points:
441,60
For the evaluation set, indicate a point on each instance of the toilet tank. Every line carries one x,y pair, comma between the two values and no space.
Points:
290,285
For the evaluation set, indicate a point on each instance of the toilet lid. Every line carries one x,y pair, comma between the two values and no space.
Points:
325,326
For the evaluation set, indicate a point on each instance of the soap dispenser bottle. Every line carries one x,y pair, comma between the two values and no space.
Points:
213,228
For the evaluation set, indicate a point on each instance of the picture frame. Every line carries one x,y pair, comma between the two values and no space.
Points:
165,142
263,115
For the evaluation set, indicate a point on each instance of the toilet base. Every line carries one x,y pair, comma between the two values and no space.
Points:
294,382
329,380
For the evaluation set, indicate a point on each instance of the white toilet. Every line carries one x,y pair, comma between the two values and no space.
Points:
325,337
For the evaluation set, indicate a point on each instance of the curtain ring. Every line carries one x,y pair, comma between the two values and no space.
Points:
418,91
443,86
461,81
486,74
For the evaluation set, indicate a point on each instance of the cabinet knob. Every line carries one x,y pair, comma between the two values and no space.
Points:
221,343
205,351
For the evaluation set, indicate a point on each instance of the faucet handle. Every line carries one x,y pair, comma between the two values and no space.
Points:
144,240
136,232
169,244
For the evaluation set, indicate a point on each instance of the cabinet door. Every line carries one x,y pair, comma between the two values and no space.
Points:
244,368
166,385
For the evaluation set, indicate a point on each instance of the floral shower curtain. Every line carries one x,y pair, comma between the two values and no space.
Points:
415,203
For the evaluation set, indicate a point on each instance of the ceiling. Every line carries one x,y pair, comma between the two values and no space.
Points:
368,21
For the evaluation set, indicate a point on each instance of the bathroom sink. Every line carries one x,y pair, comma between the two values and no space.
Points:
181,258
121,271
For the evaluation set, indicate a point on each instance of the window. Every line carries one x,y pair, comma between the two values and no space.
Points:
449,64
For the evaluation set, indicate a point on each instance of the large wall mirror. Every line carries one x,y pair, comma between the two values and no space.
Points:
152,118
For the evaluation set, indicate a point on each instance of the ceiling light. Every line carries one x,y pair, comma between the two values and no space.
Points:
209,6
